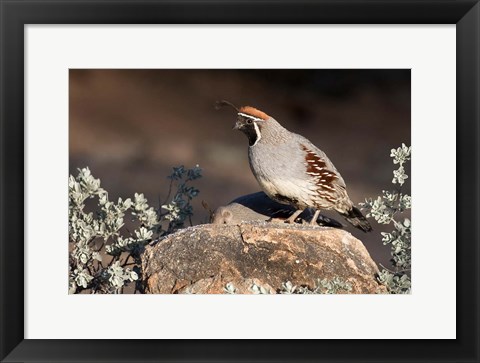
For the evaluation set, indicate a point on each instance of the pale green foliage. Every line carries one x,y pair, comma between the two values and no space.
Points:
388,209
288,288
400,156
229,288
322,286
103,232
333,286
397,283
260,290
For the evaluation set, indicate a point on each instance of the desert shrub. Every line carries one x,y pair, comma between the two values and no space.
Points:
104,255
322,286
388,209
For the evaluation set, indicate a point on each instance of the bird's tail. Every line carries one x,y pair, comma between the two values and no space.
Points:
357,219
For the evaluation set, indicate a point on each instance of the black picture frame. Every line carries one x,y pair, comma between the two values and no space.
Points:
15,14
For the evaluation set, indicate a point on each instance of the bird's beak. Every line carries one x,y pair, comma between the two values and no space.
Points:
238,125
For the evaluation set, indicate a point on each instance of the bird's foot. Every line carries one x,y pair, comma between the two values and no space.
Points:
313,221
294,216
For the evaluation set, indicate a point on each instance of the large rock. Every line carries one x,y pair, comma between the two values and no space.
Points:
205,258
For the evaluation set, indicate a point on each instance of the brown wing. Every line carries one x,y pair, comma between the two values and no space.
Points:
325,178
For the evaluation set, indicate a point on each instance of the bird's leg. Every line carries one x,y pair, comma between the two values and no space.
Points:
313,221
294,216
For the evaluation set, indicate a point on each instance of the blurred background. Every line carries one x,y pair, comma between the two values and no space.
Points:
130,127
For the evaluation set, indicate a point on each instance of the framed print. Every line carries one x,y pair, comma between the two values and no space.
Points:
336,222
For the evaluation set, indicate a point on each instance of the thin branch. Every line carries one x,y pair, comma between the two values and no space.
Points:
126,260
395,272
111,262
168,195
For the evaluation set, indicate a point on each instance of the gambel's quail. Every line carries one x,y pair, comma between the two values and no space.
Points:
291,170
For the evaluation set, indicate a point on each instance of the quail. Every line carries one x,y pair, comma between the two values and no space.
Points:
292,170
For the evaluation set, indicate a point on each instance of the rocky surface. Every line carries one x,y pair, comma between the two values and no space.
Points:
259,207
204,258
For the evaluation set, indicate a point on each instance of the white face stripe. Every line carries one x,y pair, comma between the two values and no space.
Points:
259,135
250,116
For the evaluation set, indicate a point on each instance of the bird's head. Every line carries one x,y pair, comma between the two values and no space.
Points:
249,120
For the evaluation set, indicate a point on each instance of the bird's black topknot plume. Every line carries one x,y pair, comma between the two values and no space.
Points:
223,103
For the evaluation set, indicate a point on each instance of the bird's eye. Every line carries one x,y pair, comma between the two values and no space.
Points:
249,121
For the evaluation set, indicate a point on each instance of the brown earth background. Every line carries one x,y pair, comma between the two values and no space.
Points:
132,126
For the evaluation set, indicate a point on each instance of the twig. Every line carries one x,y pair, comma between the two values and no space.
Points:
168,195
395,272
111,262
126,260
